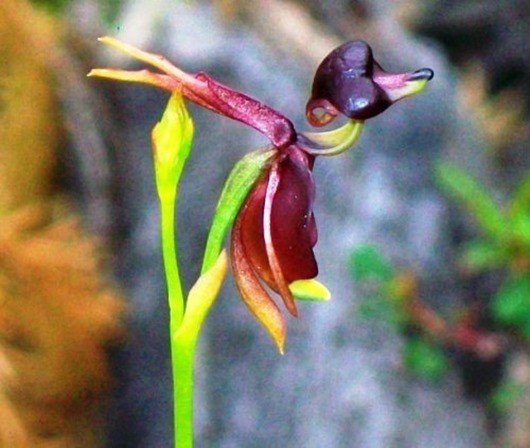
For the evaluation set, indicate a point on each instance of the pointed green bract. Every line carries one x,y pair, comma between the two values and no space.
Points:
172,137
200,299
311,290
240,181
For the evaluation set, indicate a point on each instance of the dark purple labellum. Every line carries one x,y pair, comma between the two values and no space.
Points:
351,82
344,78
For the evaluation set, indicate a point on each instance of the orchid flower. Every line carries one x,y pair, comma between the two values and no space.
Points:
275,230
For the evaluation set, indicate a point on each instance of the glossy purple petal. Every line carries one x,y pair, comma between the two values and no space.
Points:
352,82
240,107
292,221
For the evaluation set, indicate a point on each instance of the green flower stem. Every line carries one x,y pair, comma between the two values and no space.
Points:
182,356
169,255
182,350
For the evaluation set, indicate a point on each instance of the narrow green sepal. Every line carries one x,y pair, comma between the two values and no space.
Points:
236,189
172,137
311,290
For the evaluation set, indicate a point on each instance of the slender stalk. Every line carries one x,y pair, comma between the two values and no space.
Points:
169,255
182,355
182,349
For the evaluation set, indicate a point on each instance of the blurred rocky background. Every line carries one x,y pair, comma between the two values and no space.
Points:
342,381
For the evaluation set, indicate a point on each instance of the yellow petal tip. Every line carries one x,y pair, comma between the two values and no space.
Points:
311,290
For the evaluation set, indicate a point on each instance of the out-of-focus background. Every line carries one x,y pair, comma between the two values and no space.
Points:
424,230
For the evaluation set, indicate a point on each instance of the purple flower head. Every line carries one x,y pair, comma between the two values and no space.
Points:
351,82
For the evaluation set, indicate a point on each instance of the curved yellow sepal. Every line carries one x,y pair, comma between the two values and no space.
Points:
311,290
201,297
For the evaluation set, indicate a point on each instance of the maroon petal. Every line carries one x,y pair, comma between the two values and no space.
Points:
240,107
292,221
251,216
254,295
279,279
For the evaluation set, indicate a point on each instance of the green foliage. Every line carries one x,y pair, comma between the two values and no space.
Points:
511,304
425,359
482,255
366,263
473,196
505,396
520,228
108,9
376,307
520,202
507,243
386,305
52,6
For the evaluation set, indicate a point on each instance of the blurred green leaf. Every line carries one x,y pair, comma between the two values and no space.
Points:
52,6
482,255
109,10
505,396
511,304
425,360
520,202
473,196
375,307
367,263
520,227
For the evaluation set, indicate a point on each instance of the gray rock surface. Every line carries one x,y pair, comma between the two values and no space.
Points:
340,383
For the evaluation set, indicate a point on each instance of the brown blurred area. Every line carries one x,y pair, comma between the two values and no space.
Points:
58,311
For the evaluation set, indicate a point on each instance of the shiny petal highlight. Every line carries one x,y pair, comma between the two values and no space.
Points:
279,279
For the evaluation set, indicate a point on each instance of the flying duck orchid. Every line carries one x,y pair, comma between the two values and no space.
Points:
269,195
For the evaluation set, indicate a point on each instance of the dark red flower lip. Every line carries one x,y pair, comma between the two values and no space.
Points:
276,231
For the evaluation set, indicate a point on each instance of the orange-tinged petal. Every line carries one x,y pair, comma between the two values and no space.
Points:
254,295
251,216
